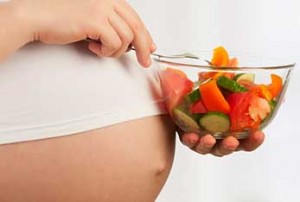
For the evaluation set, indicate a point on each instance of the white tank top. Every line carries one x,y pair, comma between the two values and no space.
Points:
48,91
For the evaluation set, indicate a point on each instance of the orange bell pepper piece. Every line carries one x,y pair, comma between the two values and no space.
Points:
213,98
276,86
263,92
220,57
217,75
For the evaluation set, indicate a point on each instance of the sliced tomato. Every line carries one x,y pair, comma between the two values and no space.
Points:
175,85
247,84
198,107
176,71
247,110
239,114
202,76
229,75
233,62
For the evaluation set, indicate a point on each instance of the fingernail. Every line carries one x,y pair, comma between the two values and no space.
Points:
191,143
231,146
209,143
188,142
148,62
258,136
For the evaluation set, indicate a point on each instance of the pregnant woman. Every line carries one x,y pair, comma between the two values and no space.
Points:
82,120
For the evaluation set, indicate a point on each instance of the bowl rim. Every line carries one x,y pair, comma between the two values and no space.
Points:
239,68
284,64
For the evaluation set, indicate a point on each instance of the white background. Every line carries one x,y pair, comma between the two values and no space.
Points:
268,27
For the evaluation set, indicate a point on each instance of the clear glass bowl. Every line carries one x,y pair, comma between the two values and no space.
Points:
195,108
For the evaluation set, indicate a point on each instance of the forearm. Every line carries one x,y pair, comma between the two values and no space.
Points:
15,30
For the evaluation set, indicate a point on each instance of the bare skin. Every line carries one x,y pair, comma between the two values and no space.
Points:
119,163
126,162
114,25
209,145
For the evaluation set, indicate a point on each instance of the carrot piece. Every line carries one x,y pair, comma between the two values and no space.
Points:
213,98
220,57
276,86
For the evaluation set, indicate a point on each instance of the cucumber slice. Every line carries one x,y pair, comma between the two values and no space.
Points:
215,122
244,76
230,84
193,96
186,121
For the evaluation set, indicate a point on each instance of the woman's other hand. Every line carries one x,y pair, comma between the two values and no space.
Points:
112,24
209,145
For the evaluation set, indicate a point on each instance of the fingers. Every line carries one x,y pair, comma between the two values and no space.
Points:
209,145
202,145
123,29
142,41
205,144
190,139
226,146
111,23
110,41
125,33
115,39
254,140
